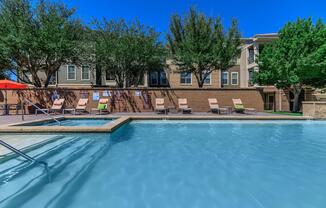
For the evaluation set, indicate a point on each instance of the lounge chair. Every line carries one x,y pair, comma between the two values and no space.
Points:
239,107
159,106
102,106
81,105
214,107
56,107
183,105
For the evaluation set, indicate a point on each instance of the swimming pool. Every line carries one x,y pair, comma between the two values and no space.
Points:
72,122
158,164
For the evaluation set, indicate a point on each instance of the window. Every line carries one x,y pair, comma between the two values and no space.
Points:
185,78
251,57
207,80
53,79
85,73
251,75
225,78
163,79
234,78
71,72
109,76
154,78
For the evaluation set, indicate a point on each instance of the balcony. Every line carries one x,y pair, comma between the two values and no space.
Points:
251,59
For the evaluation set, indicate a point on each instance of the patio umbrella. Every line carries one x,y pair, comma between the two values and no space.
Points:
10,85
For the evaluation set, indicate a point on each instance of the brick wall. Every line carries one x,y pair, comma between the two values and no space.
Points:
132,101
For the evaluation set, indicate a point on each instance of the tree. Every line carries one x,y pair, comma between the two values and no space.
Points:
37,38
295,59
127,50
200,45
3,74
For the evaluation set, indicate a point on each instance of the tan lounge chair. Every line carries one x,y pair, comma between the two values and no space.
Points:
102,106
239,107
56,106
81,105
159,106
183,105
214,106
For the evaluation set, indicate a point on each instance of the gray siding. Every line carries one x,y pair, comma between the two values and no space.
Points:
63,76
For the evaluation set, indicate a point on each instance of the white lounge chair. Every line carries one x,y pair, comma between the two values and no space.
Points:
214,106
81,105
159,106
183,105
56,107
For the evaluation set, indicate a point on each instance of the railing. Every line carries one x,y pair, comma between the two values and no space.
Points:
20,153
251,59
40,109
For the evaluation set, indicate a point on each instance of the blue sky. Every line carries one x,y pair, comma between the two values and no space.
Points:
254,16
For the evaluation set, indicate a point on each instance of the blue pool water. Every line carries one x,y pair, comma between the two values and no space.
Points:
74,122
175,164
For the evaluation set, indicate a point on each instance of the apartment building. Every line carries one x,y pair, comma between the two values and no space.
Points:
238,76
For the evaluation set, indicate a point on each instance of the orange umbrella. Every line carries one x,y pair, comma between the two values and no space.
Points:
10,85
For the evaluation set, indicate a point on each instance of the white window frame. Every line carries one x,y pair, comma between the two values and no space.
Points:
190,78
150,78
237,73
68,72
227,78
166,78
81,73
210,79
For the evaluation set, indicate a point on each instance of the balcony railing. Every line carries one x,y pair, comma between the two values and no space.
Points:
251,59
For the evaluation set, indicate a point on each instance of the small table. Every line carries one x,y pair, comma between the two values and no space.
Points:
71,110
7,107
41,110
228,109
172,109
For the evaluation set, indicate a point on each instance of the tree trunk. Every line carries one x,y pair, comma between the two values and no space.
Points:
296,100
296,92
200,80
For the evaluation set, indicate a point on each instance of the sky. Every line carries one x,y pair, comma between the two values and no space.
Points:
254,16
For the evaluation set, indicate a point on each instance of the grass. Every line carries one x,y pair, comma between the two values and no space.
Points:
286,113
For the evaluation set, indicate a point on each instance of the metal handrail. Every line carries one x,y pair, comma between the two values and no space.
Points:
40,109
20,153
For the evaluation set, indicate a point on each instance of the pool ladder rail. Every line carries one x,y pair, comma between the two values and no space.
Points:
29,158
40,109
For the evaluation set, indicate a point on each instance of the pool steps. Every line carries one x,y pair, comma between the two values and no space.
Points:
37,151
32,179
53,193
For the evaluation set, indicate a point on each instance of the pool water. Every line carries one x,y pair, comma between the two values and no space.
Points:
74,122
167,164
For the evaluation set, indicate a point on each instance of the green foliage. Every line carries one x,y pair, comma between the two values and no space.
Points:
127,50
295,59
200,45
36,39
3,74
314,73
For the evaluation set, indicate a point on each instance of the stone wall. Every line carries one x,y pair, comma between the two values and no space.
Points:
316,109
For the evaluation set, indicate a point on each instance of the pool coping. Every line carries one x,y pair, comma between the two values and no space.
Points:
120,120
109,127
